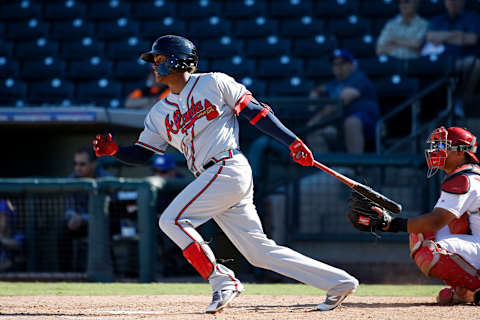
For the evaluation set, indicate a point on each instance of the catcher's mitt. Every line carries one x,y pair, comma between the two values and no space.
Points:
362,217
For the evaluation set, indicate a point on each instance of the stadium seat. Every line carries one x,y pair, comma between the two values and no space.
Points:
396,86
102,92
127,49
3,30
271,46
90,69
256,86
129,86
6,48
430,66
318,69
36,49
335,8
48,68
153,10
110,10
54,91
290,8
20,10
203,65
255,27
293,86
241,9
350,26
28,29
283,66
131,71
119,29
167,25
68,10
317,46
8,68
81,48
236,66
431,8
209,28
360,47
222,47
381,66
305,26
378,25
378,8
72,29
11,91
198,9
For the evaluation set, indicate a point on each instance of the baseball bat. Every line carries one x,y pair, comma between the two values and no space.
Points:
362,189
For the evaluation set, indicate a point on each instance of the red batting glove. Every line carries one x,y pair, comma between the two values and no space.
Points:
104,145
301,154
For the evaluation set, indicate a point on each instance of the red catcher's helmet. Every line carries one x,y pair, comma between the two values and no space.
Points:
442,140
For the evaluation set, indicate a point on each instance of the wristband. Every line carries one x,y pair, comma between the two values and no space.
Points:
398,224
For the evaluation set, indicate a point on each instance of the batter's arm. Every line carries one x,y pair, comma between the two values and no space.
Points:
133,155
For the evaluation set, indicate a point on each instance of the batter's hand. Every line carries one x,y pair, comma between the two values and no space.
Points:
300,153
104,145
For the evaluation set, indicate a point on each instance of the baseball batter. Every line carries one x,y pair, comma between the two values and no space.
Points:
444,243
199,118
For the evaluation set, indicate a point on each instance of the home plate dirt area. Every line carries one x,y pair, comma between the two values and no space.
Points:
243,307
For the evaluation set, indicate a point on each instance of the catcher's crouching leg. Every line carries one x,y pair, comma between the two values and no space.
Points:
436,262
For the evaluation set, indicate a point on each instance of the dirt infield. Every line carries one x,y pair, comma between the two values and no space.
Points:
244,307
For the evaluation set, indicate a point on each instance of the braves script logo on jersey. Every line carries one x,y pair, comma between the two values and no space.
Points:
184,121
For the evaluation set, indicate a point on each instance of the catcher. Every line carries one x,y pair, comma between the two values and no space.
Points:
444,243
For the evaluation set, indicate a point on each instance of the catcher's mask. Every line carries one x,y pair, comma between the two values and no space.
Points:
181,54
442,140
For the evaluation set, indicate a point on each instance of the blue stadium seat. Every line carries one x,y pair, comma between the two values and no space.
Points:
203,65
81,48
20,10
255,27
222,47
360,47
168,25
131,71
6,48
241,9
236,66
378,8
110,10
126,49
271,46
382,66
120,29
350,26
73,29
36,49
3,30
290,8
283,66
335,8
431,8
430,66
317,46
209,27
318,69
54,91
293,86
199,9
256,86
305,26
153,10
12,91
8,68
396,86
102,92
67,10
48,68
377,26
28,29
129,86
92,68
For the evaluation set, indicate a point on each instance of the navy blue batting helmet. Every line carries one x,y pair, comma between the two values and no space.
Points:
181,53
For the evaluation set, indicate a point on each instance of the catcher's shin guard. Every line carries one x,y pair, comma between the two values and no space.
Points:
449,267
201,258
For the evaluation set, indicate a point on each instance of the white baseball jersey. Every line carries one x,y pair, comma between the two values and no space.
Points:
200,121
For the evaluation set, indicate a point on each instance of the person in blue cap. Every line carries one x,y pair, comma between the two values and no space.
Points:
11,241
164,166
357,94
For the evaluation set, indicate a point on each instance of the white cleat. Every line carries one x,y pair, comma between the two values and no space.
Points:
221,299
331,302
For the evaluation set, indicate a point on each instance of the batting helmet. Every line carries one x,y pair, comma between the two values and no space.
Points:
181,54
442,140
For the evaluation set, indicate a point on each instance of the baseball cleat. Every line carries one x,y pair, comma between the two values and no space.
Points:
331,302
476,297
221,299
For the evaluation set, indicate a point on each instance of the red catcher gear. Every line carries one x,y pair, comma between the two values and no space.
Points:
442,140
198,256
460,225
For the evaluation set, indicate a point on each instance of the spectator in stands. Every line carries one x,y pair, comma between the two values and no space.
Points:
403,36
145,97
456,34
75,224
11,241
357,94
